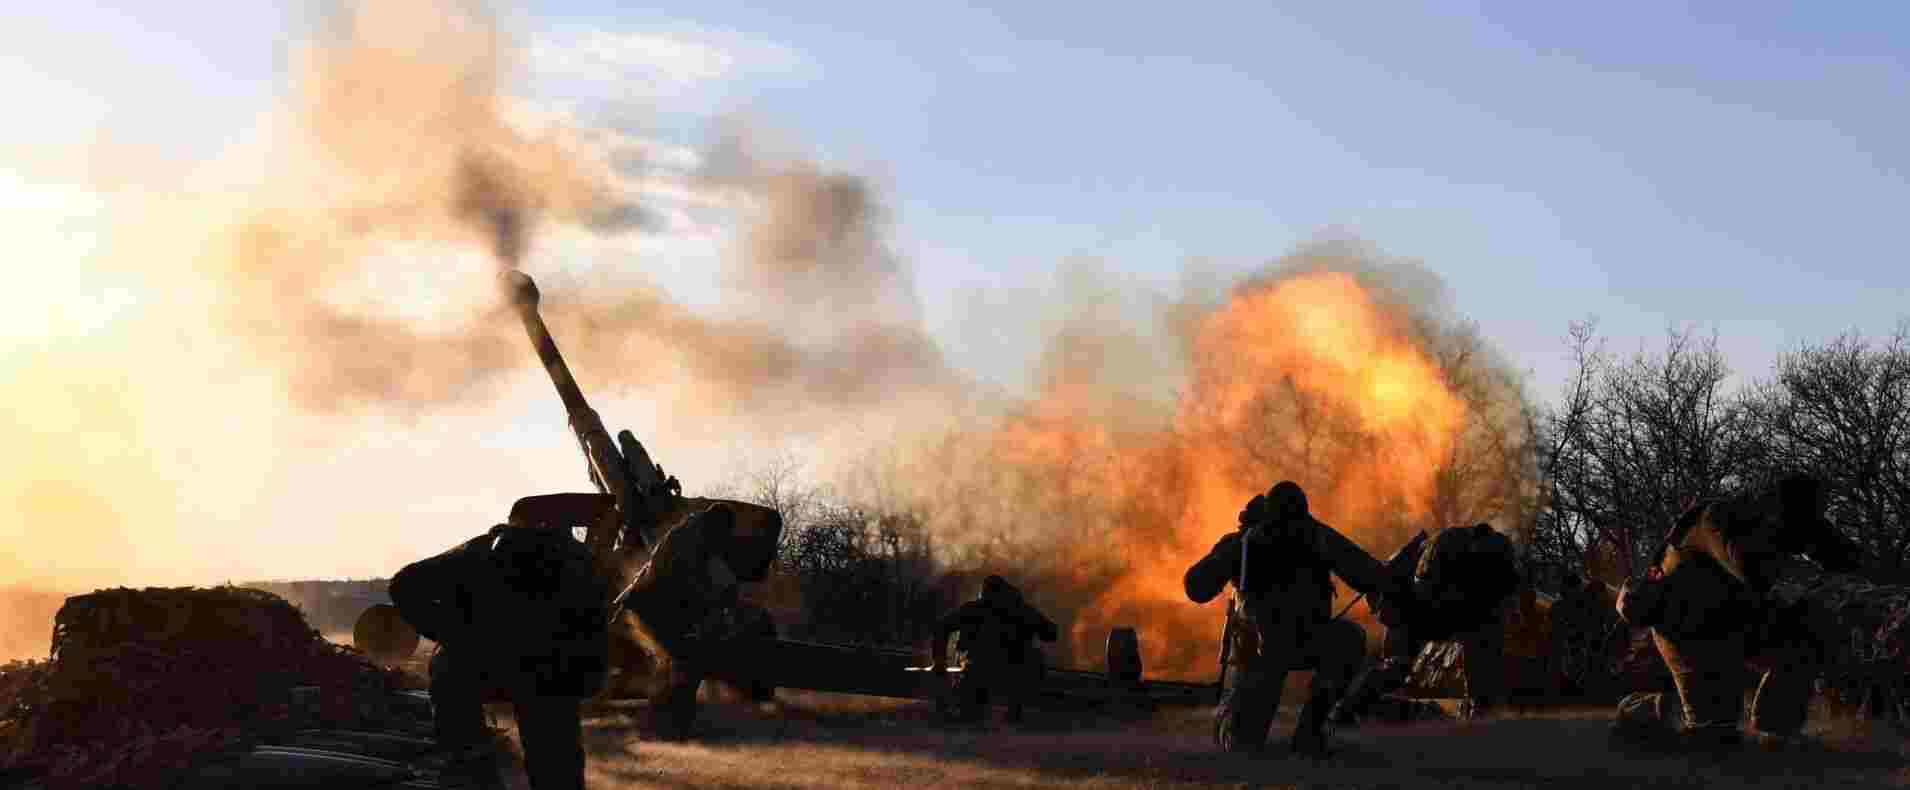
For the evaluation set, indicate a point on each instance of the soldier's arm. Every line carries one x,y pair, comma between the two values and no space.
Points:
1835,551
1430,572
1352,564
425,593
950,623
1041,625
1206,578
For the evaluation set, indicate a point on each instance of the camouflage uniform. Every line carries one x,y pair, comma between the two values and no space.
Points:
518,614
1462,578
1285,618
676,609
1711,606
997,630
1869,662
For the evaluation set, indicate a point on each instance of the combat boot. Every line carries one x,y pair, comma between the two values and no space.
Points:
1309,735
473,766
1646,721
673,716
1309,742
1715,738
1774,742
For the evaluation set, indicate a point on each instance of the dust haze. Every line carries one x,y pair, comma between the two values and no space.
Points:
342,287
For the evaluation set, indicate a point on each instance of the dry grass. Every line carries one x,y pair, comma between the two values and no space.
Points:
828,741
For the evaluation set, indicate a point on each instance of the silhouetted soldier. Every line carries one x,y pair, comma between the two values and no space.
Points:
518,614
1284,616
683,606
1461,581
998,632
1709,603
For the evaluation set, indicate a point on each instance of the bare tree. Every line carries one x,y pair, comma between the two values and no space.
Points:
1632,445
1842,410
778,480
1559,536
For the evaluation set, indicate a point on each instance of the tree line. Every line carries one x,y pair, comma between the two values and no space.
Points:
1635,440
1589,483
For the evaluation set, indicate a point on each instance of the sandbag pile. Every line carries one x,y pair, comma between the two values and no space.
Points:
1874,619
1625,661
1440,671
1869,658
141,683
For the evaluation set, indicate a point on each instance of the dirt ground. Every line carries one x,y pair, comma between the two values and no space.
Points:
829,741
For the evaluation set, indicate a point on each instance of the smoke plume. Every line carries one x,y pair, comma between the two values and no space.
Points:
1333,368
351,276
331,282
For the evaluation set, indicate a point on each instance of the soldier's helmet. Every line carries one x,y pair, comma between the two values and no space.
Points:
994,587
1286,500
1255,511
997,592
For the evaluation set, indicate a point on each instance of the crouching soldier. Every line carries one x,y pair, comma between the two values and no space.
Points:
1280,562
684,608
1461,580
1712,608
998,630
518,614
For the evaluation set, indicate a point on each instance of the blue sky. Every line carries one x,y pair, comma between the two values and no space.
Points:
1736,166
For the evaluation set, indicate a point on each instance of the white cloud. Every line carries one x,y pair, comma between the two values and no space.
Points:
629,153
664,63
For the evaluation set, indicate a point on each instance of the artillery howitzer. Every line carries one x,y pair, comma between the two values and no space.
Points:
673,563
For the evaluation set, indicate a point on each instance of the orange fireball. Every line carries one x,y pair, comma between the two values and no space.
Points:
1308,377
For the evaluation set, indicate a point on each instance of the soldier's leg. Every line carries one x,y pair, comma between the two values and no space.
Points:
1014,694
1782,702
674,677
552,733
1485,671
674,707
1250,703
968,695
1707,673
1334,653
457,708
1792,650
1023,684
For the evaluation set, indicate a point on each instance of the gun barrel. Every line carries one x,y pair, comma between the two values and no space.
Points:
607,467
524,297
